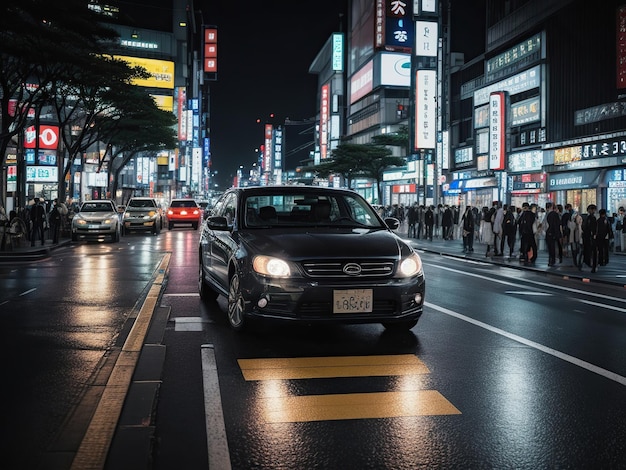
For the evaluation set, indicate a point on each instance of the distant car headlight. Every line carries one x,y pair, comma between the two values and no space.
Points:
107,221
410,266
270,266
79,221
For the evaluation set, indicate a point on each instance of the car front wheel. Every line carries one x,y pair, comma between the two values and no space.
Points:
236,304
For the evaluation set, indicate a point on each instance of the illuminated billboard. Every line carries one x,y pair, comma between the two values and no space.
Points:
161,71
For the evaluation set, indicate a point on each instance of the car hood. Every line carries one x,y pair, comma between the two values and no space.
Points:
97,215
342,243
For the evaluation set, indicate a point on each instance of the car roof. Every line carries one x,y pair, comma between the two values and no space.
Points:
292,189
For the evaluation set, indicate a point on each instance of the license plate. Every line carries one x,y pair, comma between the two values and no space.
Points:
353,301
93,226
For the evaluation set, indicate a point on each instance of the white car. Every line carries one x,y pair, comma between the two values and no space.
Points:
96,220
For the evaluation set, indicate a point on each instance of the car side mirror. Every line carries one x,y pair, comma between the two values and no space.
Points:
392,223
217,223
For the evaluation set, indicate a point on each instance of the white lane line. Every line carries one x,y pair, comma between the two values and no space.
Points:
188,323
525,281
527,292
553,352
28,291
601,305
219,455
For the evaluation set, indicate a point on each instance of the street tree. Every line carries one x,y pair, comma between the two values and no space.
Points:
41,43
144,130
359,161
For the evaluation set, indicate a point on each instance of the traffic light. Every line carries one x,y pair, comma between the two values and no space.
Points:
401,111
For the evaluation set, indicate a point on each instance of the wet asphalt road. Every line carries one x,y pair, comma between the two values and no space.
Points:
507,368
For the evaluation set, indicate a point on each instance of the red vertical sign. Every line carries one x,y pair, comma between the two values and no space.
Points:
210,50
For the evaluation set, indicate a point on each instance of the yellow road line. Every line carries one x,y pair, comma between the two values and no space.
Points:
327,367
356,406
95,445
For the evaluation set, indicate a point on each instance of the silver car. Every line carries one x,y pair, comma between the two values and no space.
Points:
143,214
96,220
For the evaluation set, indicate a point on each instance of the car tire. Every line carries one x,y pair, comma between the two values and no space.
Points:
236,305
400,326
206,293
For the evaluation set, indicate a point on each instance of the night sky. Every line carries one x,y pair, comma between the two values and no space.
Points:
265,49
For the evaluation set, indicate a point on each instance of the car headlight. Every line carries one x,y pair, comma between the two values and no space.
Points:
410,266
80,221
270,266
107,221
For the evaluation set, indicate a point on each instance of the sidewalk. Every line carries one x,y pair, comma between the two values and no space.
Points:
613,273
24,252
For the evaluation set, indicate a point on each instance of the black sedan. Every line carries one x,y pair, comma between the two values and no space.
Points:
308,254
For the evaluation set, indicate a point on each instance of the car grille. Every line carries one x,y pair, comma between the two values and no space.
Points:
369,268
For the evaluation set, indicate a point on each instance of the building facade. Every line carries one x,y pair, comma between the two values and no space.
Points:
540,117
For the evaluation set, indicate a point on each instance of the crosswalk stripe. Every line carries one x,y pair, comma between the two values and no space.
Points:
328,367
356,406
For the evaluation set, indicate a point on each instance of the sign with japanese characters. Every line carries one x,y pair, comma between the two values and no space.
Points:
42,174
526,111
497,131
620,37
426,38
425,109
588,151
161,72
337,59
210,50
398,26
523,81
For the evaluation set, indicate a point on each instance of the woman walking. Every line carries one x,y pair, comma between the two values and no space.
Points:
575,239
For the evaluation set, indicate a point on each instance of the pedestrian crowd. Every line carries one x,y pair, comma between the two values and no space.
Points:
562,231
37,220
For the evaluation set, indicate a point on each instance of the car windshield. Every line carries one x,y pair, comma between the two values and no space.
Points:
97,207
140,203
308,209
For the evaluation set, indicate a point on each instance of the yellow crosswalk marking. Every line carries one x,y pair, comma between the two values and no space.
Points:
356,406
328,367
279,406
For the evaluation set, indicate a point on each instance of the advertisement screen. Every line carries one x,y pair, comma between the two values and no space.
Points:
161,71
